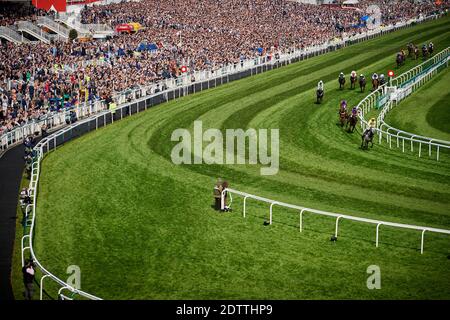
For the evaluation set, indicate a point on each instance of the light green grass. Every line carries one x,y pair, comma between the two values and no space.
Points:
141,227
427,111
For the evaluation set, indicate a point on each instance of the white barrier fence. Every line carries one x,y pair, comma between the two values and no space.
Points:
182,83
302,210
44,146
382,98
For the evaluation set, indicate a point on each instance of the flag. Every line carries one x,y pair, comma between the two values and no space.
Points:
57,5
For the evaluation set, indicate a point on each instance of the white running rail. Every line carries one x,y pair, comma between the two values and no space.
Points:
411,80
338,216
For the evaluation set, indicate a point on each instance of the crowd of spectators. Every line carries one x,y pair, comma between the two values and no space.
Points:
10,12
36,79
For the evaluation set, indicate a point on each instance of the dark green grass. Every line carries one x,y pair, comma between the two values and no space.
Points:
141,227
427,111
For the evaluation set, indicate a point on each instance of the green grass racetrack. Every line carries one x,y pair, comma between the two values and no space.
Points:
140,227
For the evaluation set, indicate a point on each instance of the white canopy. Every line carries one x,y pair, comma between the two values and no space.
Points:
350,2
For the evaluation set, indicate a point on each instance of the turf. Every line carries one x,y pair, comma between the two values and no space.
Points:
140,227
427,111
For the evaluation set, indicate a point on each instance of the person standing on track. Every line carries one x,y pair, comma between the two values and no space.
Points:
218,194
28,272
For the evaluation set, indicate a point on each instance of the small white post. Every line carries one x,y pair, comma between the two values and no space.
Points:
301,220
377,237
245,201
337,226
421,242
271,206
222,200
41,289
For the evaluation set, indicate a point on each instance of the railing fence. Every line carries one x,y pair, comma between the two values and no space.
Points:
302,210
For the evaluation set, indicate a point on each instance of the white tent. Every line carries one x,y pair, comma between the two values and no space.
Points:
350,2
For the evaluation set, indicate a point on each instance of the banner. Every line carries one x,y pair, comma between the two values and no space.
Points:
57,5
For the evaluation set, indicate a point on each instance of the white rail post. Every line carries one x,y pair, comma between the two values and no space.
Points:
377,235
337,226
270,216
422,240
301,220
41,289
222,200
245,201
437,154
420,148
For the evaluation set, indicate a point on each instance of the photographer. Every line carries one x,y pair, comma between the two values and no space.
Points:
28,272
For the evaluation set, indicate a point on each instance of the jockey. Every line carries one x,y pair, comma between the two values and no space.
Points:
353,74
361,76
341,75
382,80
354,111
372,123
343,105
431,46
374,76
320,85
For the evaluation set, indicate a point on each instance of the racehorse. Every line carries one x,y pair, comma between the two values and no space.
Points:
353,80
343,116
425,52
351,122
410,49
319,94
375,83
416,53
400,59
430,49
362,83
341,82
366,138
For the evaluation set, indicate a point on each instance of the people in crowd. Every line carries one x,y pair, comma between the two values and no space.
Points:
37,80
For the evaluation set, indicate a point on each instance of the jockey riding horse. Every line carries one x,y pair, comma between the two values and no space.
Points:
343,115
352,120
410,49
353,79
416,53
381,80
362,82
341,80
367,136
424,51
430,48
400,58
375,82
320,91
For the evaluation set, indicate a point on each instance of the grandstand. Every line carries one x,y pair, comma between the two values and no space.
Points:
69,72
